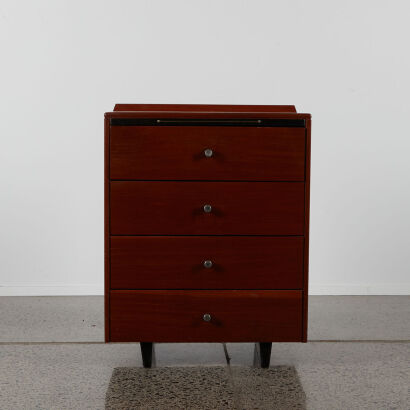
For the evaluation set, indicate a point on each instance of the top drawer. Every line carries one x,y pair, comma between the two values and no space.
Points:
178,153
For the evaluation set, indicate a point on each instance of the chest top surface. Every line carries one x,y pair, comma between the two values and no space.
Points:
204,111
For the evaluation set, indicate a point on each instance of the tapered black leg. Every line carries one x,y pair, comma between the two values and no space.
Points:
148,354
262,353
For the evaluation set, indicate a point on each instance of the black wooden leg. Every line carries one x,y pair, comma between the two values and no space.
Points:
148,354
262,353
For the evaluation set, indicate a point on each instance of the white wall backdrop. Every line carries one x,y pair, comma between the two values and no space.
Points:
64,63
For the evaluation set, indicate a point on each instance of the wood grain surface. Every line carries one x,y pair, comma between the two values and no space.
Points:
177,262
177,316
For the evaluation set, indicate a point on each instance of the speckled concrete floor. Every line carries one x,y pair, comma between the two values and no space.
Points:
36,373
333,375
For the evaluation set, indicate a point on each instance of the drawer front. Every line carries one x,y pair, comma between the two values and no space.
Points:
177,208
238,153
178,316
172,262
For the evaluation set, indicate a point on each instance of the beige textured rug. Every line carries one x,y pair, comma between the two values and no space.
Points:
229,387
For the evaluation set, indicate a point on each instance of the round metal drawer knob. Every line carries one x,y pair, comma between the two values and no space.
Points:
207,317
208,153
208,264
207,208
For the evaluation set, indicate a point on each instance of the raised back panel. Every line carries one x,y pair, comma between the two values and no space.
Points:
205,107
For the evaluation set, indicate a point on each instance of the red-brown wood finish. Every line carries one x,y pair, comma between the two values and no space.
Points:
176,208
177,153
177,262
107,229
306,250
177,316
155,228
206,115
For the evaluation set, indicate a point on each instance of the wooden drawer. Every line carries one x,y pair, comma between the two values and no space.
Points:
177,262
177,316
176,208
177,153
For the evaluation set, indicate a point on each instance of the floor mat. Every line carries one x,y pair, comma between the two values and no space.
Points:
197,387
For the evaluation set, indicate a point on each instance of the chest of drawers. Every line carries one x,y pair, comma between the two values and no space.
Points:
206,225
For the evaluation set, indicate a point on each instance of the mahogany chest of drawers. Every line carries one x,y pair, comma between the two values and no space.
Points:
206,225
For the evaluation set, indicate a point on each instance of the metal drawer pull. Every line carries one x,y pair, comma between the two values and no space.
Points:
208,264
207,317
207,208
208,153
